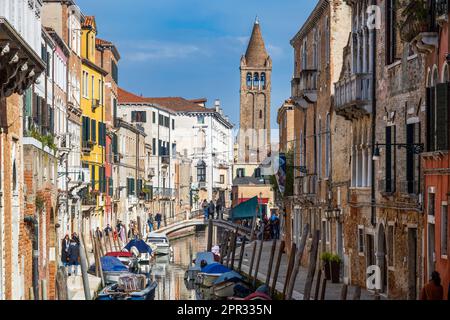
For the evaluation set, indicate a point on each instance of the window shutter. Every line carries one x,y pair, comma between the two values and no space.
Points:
388,160
94,130
442,116
429,119
410,134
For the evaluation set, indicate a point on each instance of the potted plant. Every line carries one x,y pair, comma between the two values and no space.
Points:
335,266
326,258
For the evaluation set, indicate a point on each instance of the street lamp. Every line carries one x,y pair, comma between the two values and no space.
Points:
415,148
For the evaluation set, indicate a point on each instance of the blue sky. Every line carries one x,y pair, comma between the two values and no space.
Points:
192,48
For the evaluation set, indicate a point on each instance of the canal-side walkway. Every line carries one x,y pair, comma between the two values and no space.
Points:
332,292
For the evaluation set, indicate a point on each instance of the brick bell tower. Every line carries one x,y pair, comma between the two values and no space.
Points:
255,89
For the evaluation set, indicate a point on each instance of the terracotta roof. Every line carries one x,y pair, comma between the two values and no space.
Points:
256,54
101,42
176,104
89,21
108,44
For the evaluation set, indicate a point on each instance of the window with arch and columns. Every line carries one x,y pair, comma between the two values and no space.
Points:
263,80
256,80
249,80
361,154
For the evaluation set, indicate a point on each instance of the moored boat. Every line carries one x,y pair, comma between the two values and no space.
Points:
112,269
127,258
224,285
202,257
210,273
142,250
134,287
159,243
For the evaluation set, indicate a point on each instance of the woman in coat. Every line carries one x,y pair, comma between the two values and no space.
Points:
65,251
74,257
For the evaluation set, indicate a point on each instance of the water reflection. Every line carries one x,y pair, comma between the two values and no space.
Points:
170,274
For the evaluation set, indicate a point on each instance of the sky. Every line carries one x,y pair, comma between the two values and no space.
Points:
192,48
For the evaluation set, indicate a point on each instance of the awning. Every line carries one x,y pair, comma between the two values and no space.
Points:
246,210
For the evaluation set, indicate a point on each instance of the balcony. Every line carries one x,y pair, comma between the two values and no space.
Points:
304,88
88,202
165,160
150,173
352,96
87,147
95,104
132,201
441,11
164,193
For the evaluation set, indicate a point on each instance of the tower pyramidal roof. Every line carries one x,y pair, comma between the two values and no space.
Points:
256,55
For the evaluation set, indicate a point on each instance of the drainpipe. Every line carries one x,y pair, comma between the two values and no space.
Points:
34,222
374,116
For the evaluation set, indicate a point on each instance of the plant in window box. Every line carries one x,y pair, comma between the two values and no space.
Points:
414,19
335,268
326,258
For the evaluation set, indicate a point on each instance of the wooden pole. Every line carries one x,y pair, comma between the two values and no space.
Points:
272,254
31,293
277,268
229,249
289,270
252,261
84,249
225,249
298,262
92,240
261,244
344,292
357,293
44,289
241,254
61,284
84,268
312,266
100,267
210,235
319,277
324,288
110,242
233,248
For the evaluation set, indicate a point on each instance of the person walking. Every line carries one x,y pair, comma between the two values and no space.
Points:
74,257
75,237
108,230
150,221
433,290
219,208
65,251
158,219
276,226
98,233
205,207
211,210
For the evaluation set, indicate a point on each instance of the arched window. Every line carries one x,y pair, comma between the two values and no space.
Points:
249,80
260,114
435,79
445,76
14,176
256,80
328,147
201,171
263,80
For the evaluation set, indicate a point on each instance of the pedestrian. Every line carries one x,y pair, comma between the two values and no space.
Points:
205,207
98,233
107,230
276,226
65,251
150,222
75,237
74,257
219,208
211,210
158,219
122,232
433,290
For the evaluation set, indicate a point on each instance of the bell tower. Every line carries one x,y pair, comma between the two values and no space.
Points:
255,89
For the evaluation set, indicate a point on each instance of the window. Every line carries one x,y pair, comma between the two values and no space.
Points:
167,122
93,130
110,187
319,150
161,120
260,114
412,170
114,72
130,186
86,132
153,117
256,80
201,171
173,124
139,116
249,80
154,146
389,160
263,80
390,245
360,239
391,36
431,204
240,173
93,182
328,147
174,149
222,179
444,230
92,87
327,41
258,173
201,119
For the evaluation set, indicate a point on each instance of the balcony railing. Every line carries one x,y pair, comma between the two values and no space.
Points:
353,95
305,86
87,146
164,192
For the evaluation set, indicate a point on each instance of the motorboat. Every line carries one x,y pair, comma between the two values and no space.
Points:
210,273
202,257
141,249
262,293
112,269
127,258
134,287
223,286
159,243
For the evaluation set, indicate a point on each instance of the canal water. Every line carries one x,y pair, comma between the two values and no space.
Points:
169,271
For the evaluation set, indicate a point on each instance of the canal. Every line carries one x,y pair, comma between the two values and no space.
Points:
169,271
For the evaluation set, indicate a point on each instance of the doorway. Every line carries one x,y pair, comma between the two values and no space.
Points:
381,257
412,264
431,249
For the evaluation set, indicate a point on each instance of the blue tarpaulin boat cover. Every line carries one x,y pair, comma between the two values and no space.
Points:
140,245
246,210
231,276
215,268
112,264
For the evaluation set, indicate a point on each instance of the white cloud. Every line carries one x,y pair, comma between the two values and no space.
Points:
274,51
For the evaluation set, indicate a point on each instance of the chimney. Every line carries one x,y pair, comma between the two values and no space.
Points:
217,105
